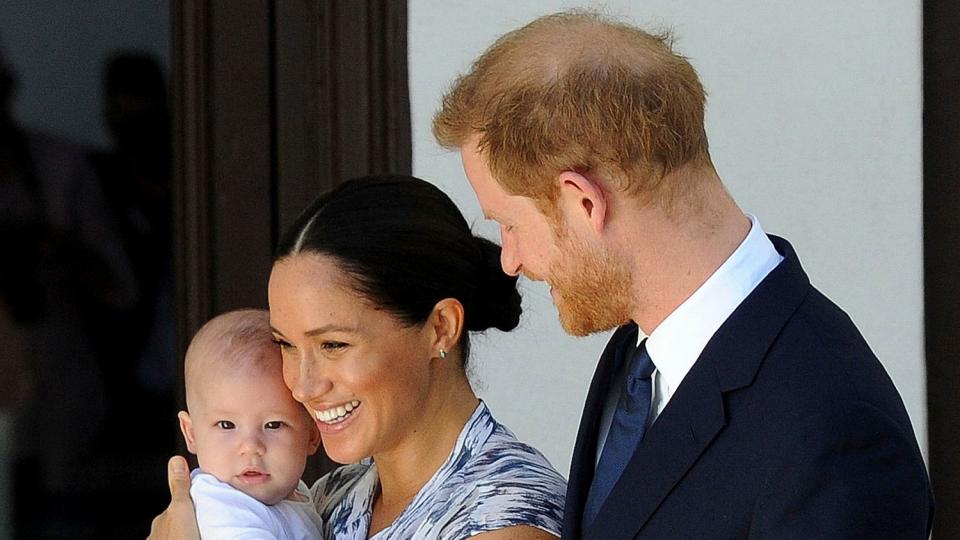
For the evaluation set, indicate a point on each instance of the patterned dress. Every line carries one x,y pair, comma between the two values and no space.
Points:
490,481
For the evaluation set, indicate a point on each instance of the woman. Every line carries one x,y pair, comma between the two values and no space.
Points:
372,296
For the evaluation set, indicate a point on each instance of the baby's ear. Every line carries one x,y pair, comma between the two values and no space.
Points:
186,427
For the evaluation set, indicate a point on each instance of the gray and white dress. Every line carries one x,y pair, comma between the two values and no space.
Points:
490,481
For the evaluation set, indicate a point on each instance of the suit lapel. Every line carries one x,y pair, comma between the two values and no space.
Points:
695,414
584,452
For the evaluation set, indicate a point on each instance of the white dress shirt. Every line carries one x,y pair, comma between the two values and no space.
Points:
675,345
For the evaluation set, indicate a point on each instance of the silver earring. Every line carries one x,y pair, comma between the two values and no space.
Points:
443,354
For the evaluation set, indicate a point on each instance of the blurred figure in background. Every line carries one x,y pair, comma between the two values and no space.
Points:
136,341
62,262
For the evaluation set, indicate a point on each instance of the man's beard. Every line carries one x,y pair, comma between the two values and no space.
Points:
592,288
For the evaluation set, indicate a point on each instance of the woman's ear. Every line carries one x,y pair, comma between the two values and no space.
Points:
186,427
446,323
583,200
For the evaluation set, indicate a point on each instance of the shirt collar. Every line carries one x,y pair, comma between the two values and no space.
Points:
675,345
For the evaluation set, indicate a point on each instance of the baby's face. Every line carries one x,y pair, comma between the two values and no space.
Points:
249,432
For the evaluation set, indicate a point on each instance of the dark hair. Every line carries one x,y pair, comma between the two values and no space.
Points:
407,246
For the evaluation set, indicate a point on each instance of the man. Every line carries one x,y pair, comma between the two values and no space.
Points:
734,400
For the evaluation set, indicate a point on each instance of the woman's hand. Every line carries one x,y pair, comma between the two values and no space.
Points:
179,520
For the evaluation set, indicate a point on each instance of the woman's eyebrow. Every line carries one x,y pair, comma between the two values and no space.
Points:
320,330
329,328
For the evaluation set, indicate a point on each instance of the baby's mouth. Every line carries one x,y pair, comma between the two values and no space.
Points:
253,476
335,415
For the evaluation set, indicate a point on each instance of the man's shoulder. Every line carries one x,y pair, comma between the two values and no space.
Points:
820,365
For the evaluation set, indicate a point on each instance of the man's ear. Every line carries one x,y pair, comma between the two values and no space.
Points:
583,197
186,427
446,321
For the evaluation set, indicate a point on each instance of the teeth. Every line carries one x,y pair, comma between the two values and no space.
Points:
336,414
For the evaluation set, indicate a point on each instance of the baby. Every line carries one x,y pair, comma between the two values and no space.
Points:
250,436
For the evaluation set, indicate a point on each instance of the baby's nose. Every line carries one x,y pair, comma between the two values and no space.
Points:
252,445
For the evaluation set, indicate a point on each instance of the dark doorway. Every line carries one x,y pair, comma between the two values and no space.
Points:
941,235
275,102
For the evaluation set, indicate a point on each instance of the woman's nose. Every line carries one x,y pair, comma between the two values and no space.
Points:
307,380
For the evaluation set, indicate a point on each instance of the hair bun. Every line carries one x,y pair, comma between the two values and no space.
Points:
497,302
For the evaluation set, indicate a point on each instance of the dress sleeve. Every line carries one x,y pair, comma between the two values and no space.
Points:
519,492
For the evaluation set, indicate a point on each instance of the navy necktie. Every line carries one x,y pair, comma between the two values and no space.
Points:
626,431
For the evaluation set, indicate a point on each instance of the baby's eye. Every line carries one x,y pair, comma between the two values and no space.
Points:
226,424
276,424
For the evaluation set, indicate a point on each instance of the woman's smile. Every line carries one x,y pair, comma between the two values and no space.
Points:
337,413
330,421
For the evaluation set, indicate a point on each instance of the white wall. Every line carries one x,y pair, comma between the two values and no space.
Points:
814,119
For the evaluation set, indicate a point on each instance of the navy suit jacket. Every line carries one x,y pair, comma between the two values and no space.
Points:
787,426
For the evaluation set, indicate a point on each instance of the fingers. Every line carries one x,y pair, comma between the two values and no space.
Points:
176,522
178,476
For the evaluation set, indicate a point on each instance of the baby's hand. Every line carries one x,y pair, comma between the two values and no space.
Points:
179,520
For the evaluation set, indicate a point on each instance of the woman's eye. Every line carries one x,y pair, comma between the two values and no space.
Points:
276,424
333,345
226,424
284,344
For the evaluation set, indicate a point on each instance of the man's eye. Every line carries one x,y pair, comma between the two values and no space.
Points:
276,424
226,424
